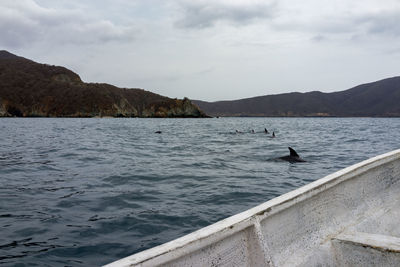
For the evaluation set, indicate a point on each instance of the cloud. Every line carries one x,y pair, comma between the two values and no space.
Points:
386,23
343,20
318,38
24,22
206,13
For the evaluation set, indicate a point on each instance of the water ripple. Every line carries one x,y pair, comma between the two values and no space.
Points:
85,192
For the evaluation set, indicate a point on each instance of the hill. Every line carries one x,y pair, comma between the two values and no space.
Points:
376,99
30,89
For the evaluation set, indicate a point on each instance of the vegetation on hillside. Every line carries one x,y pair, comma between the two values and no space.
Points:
377,99
30,89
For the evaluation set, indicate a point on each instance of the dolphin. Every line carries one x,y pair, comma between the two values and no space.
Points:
293,157
157,132
265,130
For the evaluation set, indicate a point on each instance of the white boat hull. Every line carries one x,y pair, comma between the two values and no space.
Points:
349,218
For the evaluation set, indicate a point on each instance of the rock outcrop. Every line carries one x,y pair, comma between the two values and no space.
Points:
30,89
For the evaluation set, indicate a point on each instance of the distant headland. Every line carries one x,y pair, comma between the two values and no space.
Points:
376,99
30,89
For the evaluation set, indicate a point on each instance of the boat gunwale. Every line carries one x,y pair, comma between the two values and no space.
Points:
235,223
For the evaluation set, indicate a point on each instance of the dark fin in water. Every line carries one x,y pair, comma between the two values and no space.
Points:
157,132
293,153
293,157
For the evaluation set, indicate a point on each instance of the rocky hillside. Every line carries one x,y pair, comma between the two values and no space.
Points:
377,99
30,89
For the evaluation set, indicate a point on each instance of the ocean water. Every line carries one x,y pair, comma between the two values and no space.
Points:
86,192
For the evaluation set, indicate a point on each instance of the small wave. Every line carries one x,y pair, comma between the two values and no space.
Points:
125,190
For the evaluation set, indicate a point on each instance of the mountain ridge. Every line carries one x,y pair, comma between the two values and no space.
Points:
374,99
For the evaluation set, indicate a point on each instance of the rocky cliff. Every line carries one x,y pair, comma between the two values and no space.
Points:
30,89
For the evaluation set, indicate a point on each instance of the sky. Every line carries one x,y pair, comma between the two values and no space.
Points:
210,49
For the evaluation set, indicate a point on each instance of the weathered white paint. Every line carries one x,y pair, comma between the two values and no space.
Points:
320,224
362,249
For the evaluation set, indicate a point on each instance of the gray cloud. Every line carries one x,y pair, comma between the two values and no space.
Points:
386,23
319,38
204,14
315,43
24,22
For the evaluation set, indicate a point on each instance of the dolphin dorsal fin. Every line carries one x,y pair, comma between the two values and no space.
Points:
293,153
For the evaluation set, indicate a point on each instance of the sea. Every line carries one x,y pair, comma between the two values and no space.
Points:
86,192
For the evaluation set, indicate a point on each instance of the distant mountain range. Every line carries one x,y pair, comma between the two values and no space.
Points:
376,99
30,89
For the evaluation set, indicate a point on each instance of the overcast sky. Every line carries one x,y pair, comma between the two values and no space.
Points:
210,49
